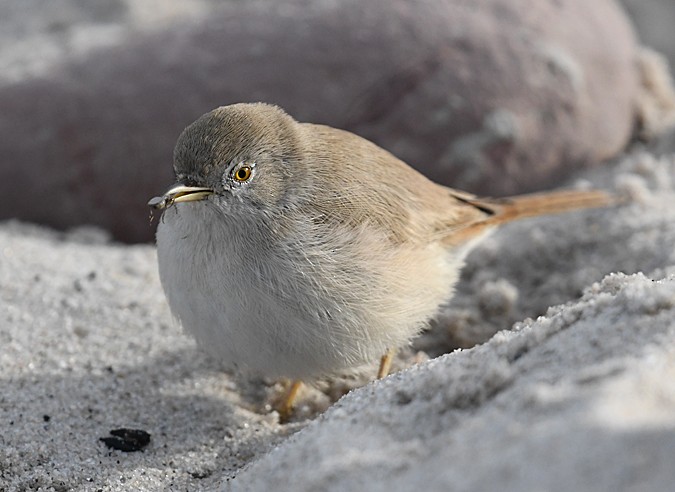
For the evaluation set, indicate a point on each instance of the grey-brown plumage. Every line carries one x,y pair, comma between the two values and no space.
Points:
293,249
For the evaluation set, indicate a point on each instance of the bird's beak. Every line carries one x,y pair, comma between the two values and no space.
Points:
179,193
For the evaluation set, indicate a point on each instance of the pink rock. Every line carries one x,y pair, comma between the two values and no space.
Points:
493,96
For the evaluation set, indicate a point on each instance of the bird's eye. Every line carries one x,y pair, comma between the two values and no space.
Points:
243,174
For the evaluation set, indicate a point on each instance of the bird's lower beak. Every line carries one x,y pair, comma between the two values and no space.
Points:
179,193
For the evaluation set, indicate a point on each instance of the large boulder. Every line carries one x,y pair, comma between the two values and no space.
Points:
494,96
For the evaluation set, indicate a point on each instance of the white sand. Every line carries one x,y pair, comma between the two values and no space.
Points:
583,398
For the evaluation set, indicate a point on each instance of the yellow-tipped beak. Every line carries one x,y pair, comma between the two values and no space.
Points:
179,193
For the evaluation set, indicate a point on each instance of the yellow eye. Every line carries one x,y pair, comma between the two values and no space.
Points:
243,174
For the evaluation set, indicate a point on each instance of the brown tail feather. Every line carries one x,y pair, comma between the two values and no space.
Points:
523,206
503,210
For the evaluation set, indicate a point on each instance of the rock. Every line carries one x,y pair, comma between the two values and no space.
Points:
493,96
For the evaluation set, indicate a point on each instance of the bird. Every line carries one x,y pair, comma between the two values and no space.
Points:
298,250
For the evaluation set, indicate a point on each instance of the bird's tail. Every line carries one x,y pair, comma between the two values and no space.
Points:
523,206
502,210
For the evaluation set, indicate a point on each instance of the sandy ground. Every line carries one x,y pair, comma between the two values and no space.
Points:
572,385
580,398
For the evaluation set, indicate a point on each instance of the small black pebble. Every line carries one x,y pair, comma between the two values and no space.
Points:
127,440
46,418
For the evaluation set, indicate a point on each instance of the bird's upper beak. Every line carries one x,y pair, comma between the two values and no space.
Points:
179,193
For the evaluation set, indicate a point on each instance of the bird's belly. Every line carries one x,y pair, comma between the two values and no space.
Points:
262,311
258,316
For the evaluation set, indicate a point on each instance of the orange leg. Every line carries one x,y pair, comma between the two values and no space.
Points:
385,363
286,407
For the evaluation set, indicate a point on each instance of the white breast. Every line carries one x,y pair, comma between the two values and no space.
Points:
298,307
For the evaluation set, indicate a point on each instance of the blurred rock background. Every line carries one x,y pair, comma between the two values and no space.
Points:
491,96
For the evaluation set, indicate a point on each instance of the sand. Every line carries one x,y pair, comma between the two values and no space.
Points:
579,396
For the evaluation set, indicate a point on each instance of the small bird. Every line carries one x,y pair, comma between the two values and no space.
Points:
299,250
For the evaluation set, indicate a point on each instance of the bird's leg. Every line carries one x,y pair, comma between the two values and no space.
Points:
286,407
385,363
